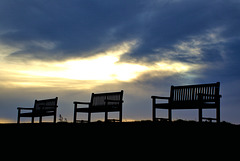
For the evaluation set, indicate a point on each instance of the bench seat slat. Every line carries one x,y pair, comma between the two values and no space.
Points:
97,109
31,114
184,105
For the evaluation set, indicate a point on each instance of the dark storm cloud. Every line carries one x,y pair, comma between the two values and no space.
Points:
81,28
76,27
174,23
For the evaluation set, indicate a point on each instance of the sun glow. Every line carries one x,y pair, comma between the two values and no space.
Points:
87,72
104,68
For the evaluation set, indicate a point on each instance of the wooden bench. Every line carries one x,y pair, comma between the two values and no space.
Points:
101,102
47,107
200,96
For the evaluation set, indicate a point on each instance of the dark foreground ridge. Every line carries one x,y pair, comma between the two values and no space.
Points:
120,127
121,134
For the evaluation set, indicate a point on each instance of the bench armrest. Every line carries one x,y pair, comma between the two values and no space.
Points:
159,97
24,108
154,101
75,102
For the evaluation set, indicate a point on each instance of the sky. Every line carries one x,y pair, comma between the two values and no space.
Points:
72,48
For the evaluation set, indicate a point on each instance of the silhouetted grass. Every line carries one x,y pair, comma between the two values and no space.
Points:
132,134
140,126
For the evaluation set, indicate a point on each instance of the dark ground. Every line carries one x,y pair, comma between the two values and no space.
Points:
115,128
127,140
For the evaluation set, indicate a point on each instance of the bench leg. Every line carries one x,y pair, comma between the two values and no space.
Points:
154,114
75,113
218,114
200,114
120,116
40,119
89,117
55,118
170,115
18,119
106,116
32,120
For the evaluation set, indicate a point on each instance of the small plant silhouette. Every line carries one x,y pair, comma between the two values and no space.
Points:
61,119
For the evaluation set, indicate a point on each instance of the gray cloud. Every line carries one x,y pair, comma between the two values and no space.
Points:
82,28
77,28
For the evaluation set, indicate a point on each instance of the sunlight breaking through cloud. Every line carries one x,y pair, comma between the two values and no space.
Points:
91,71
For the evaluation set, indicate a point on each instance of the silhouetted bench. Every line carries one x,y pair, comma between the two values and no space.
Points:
47,107
101,102
201,96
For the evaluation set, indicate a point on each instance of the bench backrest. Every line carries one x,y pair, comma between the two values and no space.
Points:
100,99
205,92
46,105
